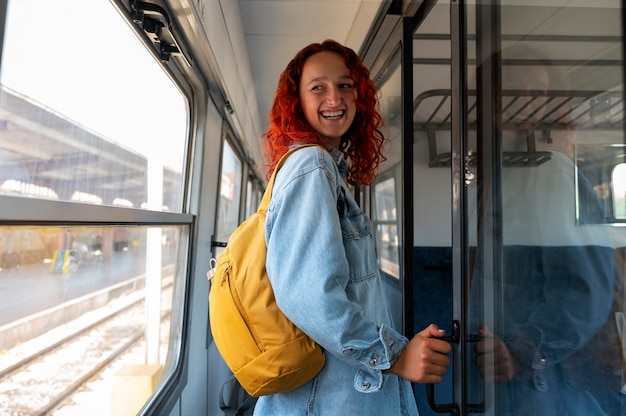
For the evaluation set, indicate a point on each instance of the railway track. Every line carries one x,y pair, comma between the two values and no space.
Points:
41,382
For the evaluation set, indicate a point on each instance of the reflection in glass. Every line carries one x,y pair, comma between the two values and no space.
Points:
97,296
618,191
546,289
601,185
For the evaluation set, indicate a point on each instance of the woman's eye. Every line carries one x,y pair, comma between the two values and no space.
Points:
346,86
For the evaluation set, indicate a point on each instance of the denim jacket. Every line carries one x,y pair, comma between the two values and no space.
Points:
323,269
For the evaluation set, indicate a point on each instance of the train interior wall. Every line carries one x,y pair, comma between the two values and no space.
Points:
221,47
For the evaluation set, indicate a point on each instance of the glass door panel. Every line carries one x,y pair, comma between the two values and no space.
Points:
432,185
544,201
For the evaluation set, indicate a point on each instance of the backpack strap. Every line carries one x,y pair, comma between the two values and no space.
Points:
268,190
234,400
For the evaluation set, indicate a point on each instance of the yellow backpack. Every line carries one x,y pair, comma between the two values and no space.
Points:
265,351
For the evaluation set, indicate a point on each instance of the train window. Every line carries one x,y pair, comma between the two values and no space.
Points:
387,200
94,237
253,197
385,220
70,129
87,314
230,193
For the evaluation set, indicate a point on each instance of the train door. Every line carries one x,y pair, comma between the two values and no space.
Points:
518,137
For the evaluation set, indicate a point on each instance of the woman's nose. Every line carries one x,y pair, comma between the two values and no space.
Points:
333,97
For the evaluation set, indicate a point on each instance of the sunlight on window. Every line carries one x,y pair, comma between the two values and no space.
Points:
85,197
619,190
27,189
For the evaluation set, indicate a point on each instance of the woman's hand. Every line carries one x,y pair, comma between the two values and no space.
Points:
494,360
424,360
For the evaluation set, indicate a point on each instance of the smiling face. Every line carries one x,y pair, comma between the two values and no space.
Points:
327,96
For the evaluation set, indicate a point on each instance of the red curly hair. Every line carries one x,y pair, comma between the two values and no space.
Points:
363,142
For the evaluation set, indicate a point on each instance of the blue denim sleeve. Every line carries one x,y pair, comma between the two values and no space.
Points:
310,273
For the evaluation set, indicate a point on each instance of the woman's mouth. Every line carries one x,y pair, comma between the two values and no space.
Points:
331,115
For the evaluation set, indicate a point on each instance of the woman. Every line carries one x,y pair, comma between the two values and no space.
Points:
321,259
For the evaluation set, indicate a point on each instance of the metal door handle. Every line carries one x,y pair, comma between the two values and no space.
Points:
452,408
